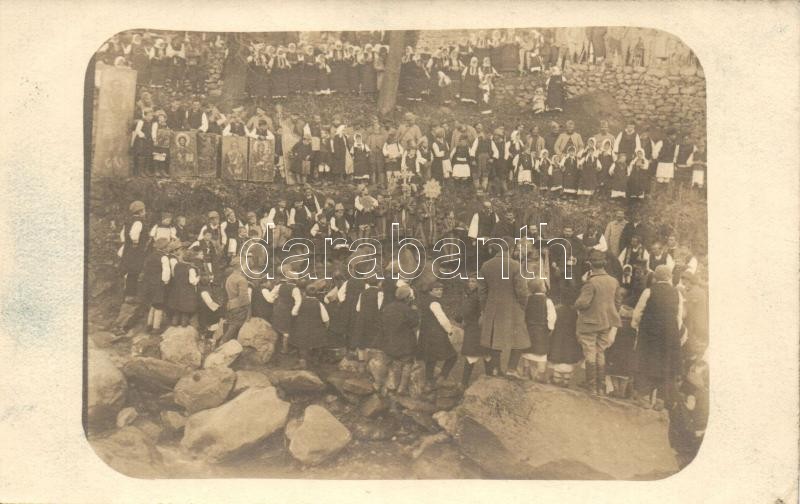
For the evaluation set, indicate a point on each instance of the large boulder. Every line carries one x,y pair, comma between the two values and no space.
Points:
181,346
130,452
242,422
257,334
224,355
318,437
515,429
107,390
250,379
299,381
154,373
204,389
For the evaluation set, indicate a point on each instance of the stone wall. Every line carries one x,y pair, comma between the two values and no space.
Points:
659,97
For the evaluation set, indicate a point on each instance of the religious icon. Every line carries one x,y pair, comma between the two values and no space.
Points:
262,160
234,158
207,154
183,154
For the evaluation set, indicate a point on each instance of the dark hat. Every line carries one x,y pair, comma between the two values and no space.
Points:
136,207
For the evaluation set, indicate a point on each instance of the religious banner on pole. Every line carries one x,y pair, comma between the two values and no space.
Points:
234,158
183,154
208,145
113,121
261,165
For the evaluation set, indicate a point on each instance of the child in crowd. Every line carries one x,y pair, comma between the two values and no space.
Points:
309,327
182,295
164,229
540,317
399,321
434,336
619,176
469,317
367,329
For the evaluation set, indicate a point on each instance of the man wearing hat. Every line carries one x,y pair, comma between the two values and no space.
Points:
503,294
658,317
408,130
597,318
156,274
238,306
132,254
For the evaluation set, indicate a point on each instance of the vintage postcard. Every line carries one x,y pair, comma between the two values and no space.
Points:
481,250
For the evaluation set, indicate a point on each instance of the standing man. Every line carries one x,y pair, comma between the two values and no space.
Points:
482,226
503,295
238,306
569,138
597,318
613,233
132,253
627,142
603,135
657,317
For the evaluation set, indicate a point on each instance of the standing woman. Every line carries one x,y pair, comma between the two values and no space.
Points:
589,169
262,77
454,69
440,156
339,153
285,296
308,68
354,62
606,159
470,82
556,93
159,63
294,74
338,69
367,76
279,72
381,53
638,180
323,82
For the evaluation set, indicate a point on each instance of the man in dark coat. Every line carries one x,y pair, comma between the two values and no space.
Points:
503,296
657,317
597,316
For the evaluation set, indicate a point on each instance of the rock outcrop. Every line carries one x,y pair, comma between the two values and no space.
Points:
258,338
515,429
318,437
107,390
181,346
204,389
241,423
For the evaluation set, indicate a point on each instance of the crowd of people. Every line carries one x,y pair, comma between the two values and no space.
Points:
626,303
629,305
560,161
460,70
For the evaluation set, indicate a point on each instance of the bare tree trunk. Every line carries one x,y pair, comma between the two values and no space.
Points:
234,71
391,76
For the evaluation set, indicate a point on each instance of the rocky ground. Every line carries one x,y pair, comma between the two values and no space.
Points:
164,406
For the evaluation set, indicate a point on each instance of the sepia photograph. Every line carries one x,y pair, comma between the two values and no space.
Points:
430,254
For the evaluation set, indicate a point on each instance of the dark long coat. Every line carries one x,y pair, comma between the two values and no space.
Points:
503,302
